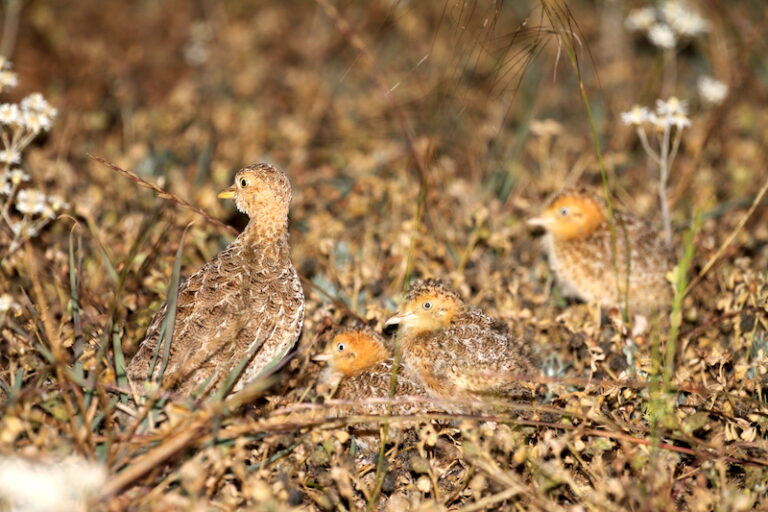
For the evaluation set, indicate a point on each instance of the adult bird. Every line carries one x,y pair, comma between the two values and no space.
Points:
246,305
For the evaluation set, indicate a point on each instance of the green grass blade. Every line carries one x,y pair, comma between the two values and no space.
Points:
74,301
156,352
170,312
105,257
15,387
120,373
681,285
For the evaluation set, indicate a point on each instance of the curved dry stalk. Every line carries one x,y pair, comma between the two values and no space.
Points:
729,240
164,194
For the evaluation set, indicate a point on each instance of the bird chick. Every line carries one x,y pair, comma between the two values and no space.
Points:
582,254
246,304
360,360
431,305
457,352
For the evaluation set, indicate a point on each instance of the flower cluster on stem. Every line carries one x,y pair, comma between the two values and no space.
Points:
664,126
668,23
23,210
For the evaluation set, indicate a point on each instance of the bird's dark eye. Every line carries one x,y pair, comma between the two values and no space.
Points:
427,305
341,347
243,182
564,211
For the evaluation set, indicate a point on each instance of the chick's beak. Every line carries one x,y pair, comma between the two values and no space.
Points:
540,221
227,193
400,317
323,356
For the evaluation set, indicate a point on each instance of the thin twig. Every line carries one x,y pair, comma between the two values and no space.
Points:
164,194
728,241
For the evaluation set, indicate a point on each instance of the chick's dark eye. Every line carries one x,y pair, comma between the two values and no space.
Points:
243,182
340,347
427,305
564,211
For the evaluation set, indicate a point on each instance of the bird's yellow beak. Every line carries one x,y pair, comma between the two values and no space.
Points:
227,193
322,356
400,317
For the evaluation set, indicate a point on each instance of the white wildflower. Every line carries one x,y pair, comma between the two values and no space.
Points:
16,227
670,113
4,62
30,201
35,121
37,113
641,19
23,228
53,487
53,205
690,26
10,156
635,117
47,212
16,176
673,9
661,35
34,101
8,79
679,120
660,122
683,19
57,203
10,114
7,303
670,107
6,188
711,90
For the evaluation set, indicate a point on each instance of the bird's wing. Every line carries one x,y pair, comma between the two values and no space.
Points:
374,383
480,318
207,308
275,302
648,250
483,360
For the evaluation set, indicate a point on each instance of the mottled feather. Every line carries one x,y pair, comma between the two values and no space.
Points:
369,389
469,362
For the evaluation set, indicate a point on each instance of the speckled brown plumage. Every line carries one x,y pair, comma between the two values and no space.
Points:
457,352
363,363
247,300
578,244
450,308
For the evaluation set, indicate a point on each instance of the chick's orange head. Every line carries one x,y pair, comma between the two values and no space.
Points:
353,351
429,305
571,216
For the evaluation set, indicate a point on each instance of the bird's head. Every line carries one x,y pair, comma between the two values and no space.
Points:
260,190
353,350
429,305
571,215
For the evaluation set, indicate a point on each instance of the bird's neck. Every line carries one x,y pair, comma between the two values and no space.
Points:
267,232
267,235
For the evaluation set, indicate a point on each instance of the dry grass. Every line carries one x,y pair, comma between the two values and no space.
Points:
418,137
